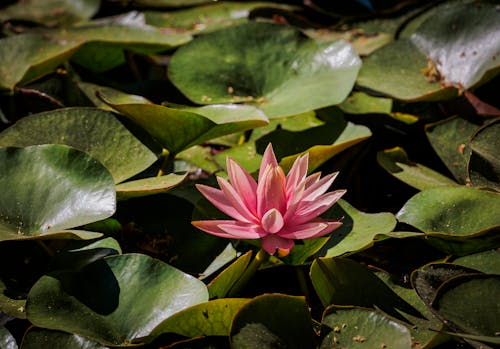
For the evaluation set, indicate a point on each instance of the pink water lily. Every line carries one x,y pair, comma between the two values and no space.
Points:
276,209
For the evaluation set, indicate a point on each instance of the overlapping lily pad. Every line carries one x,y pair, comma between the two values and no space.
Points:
114,300
47,189
272,66
94,131
210,17
33,55
484,164
38,338
288,325
396,162
178,129
359,328
52,12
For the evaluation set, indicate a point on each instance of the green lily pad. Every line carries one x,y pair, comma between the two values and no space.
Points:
358,231
461,40
363,328
92,91
33,55
396,162
36,338
52,12
484,166
273,321
47,189
221,286
449,138
456,211
94,131
268,65
114,300
7,341
206,319
486,262
294,123
179,129
429,278
225,257
479,314
362,103
340,281
169,3
148,186
397,69
209,18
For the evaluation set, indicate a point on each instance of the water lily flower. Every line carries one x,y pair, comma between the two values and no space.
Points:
276,208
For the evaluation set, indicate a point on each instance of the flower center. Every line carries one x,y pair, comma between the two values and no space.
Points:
272,221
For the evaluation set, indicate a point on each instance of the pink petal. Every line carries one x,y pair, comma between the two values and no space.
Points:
303,231
309,230
297,173
243,230
272,221
236,201
244,184
318,188
310,180
217,198
212,227
271,191
312,209
272,242
267,159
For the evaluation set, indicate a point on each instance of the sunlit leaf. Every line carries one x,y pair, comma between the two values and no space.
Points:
114,300
268,65
94,131
148,186
47,189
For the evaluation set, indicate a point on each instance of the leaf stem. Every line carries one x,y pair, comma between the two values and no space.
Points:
168,161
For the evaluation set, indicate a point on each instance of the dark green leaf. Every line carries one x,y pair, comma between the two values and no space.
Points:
273,321
487,262
114,300
36,338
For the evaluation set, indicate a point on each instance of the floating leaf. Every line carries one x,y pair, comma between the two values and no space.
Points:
49,188
358,231
452,210
362,103
397,69
169,3
484,165
271,66
486,262
114,300
206,319
273,321
33,55
449,138
221,286
363,328
396,162
52,12
36,338
461,40
148,186
210,17
92,91
343,282
178,129
479,314
94,131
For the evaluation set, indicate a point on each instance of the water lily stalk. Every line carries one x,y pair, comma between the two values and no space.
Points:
276,209
168,161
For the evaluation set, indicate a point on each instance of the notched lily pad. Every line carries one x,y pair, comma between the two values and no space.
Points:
47,189
272,66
